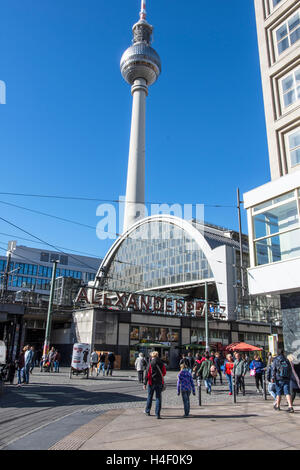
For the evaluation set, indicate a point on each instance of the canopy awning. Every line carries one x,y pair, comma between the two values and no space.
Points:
243,347
152,345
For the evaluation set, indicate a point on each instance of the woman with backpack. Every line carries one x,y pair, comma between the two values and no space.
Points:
140,365
257,369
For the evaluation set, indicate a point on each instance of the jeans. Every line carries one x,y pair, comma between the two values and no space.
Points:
20,376
272,390
220,375
56,366
141,375
26,373
158,391
240,384
101,366
186,401
109,368
207,383
259,380
282,387
229,380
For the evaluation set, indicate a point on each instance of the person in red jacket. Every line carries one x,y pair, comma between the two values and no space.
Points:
228,371
155,379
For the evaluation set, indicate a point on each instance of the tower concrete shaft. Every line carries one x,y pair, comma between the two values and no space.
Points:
140,67
135,188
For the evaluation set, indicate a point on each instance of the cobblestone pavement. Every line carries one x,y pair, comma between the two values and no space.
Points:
56,399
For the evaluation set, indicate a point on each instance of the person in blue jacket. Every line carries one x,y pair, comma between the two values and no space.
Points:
258,365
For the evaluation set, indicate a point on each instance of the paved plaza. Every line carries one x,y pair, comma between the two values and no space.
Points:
58,413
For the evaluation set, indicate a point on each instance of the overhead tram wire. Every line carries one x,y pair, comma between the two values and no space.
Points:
89,226
116,201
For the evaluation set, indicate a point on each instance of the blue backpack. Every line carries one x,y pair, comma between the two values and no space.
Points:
283,369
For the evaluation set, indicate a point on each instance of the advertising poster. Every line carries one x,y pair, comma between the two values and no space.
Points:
81,356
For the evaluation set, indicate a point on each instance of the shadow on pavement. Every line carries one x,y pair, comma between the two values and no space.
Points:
31,396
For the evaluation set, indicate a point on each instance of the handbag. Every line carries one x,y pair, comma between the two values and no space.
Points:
252,372
163,383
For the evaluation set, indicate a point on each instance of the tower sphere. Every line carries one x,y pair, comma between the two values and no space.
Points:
140,60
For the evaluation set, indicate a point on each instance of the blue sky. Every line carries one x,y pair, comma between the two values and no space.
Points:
65,126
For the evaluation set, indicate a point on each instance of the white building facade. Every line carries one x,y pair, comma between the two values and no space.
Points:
273,209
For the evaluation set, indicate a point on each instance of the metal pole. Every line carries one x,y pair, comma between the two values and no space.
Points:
241,250
49,317
206,319
199,390
234,387
265,385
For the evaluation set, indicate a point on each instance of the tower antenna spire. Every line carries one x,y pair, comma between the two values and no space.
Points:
143,12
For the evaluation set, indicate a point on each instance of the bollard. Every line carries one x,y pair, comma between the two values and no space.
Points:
234,388
199,390
265,385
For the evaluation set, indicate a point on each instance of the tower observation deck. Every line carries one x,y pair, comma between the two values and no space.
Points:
140,67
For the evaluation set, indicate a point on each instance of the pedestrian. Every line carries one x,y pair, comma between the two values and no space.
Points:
196,365
51,356
229,364
271,386
191,362
11,369
206,372
184,360
94,361
102,360
295,376
33,359
111,359
281,375
218,364
27,363
57,359
239,371
185,385
20,367
154,377
140,365
257,367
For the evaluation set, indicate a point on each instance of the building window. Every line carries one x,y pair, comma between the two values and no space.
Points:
277,232
63,259
274,4
294,147
44,257
290,88
288,33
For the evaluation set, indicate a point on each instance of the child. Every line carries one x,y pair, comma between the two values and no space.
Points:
185,383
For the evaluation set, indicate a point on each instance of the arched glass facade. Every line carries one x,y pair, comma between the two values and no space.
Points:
157,254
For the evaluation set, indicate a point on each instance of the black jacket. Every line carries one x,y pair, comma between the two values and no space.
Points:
293,381
152,370
111,358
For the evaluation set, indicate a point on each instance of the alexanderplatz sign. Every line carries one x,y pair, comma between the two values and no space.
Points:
148,303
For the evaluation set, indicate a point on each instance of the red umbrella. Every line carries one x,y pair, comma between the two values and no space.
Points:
244,347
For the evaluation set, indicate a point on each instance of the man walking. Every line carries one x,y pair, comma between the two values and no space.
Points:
111,359
102,363
239,372
191,362
281,374
154,378
218,363
94,361
28,360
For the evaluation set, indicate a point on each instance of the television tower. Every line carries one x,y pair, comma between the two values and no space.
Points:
140,67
